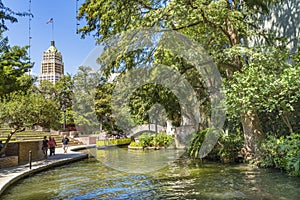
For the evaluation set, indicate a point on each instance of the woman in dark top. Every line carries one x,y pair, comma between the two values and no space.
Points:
52,145
45,147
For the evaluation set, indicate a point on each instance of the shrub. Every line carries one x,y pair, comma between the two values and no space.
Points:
158,140
146,139
135,144
121,141
162,140
282,153
229,146
195,145
226,150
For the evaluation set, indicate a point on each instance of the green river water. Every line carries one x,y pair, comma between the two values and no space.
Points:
177,178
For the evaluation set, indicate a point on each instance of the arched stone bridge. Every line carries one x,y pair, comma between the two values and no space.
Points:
145,127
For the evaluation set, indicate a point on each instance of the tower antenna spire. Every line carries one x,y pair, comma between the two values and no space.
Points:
52,28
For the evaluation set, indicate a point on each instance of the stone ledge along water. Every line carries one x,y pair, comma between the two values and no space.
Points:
10,175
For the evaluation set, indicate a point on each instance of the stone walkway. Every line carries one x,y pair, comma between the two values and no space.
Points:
8,176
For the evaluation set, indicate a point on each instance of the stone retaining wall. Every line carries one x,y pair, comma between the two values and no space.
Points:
91,139
34,146
64,133
8,161
17,153
12,149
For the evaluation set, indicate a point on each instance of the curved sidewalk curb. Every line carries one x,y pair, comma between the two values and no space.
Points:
9,176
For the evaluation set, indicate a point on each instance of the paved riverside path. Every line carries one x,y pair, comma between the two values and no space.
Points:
8,176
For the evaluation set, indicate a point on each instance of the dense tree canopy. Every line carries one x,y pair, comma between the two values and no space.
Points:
20,111
62,93
13,65
14,62
19,106
226,30
84,112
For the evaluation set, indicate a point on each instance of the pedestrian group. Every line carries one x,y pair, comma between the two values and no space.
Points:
51,144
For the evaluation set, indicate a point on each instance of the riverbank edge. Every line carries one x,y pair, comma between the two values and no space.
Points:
26,172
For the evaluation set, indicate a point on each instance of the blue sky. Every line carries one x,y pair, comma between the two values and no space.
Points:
73,49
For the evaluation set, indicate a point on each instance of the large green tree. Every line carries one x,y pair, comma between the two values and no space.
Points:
14,64
61,92
20,111
224,28
103,99
86,81
20,107
269,84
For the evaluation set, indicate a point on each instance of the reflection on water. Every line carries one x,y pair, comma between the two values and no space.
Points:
180,179
123,159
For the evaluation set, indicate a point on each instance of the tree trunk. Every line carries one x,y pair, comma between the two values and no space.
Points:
287,122
3,150
252,134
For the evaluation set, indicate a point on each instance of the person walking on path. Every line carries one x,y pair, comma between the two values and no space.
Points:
45,147
65,142
52,145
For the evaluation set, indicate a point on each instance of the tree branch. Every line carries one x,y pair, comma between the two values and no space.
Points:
18,129
216,26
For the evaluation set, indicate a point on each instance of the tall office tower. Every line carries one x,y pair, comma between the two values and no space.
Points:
52,65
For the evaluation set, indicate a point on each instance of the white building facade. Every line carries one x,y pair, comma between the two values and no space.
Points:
52,65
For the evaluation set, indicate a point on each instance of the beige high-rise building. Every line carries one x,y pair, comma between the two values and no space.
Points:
52,65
